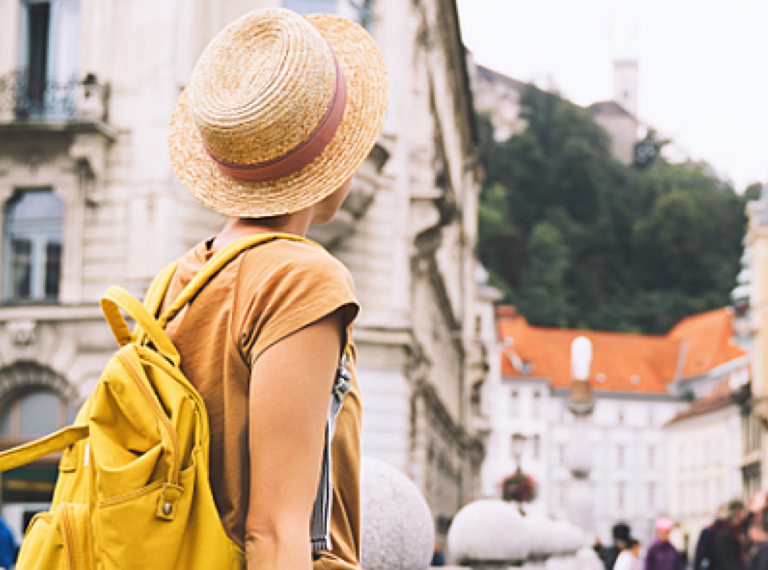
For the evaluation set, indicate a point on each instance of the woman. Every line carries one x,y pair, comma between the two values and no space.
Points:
629,559
280,112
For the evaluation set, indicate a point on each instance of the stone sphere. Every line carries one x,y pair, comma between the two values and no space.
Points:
575,538
488,530
398,532
540,536
562,563
566,538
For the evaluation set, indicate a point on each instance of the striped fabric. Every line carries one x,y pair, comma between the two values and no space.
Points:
321,510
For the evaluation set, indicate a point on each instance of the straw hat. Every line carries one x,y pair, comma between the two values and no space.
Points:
281,111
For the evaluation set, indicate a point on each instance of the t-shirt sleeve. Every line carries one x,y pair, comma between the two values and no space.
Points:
284,289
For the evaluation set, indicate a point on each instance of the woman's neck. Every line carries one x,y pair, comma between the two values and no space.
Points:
235,228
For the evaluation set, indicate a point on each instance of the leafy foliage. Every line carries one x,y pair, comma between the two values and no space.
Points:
575,238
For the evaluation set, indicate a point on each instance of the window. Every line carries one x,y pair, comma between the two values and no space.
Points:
620,495
536,447
536,405
620,457
38,24
652,495
32,242
34,414
682,493
561,454
514,403
651,457
356,10
476,398
50,34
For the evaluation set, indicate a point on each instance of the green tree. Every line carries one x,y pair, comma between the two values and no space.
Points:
575,238
543,295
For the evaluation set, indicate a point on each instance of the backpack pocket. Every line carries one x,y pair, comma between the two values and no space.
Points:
58,539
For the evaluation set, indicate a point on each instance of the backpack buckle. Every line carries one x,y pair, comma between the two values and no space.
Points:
169,502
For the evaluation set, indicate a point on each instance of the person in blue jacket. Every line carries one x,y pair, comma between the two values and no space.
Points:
9,548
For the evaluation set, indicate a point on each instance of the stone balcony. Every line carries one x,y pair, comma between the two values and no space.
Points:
28,103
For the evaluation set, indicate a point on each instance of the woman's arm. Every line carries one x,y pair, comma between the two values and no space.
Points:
291,385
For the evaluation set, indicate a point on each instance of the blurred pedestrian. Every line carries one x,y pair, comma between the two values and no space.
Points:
629,559
662,555
758,537
720,547
700,562
610,554
438,558
9,548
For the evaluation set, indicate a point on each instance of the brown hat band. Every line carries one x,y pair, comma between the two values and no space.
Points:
301,155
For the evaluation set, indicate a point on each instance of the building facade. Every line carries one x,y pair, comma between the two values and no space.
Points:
639,384
90,199
754,292
704,449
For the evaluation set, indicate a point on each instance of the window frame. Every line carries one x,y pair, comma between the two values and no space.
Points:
40,235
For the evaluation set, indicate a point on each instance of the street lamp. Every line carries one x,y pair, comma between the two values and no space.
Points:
518,443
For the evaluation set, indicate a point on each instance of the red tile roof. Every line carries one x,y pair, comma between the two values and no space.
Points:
621,362
708,341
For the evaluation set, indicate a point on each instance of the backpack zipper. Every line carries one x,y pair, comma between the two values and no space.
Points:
152,399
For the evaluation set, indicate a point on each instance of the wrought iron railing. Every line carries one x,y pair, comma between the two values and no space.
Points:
26,97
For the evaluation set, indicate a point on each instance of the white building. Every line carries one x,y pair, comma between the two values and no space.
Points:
704,449
637,382
90,199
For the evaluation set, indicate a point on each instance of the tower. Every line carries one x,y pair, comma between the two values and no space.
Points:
625,80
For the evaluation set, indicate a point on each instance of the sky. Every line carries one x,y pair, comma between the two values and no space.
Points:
703,78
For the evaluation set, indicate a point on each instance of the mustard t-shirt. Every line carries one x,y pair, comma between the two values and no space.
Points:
261,297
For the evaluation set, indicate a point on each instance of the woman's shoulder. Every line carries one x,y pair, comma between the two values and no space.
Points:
289,260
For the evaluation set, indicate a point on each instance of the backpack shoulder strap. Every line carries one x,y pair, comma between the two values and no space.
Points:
34,450
208,272
153,300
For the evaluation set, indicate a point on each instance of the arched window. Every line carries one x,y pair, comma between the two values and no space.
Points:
33,413
32,245
25,415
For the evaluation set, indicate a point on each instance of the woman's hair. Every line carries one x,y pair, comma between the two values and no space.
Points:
631,543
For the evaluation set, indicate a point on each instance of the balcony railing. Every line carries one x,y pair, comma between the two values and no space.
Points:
24,97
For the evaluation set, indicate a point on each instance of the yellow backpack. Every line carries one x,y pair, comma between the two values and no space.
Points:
133,489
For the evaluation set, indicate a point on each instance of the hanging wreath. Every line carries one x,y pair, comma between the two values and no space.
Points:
519,487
